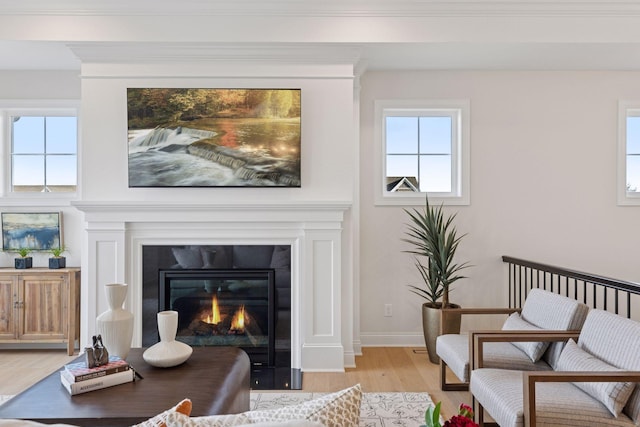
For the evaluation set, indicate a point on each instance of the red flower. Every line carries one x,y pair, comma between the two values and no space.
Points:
465,411
460,421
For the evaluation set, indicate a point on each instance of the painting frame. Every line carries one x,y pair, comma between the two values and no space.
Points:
37,231
214,137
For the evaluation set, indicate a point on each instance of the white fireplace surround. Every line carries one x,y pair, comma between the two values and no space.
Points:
117,231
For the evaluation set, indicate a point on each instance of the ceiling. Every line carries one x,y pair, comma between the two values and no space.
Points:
31,55
373,34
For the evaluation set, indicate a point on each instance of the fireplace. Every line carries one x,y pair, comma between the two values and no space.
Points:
313,333
208,285
223,308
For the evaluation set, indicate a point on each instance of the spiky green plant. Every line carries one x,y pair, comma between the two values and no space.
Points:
56,252
435,238
23,252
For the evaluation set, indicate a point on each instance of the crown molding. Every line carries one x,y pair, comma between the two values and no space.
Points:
324,8
100,52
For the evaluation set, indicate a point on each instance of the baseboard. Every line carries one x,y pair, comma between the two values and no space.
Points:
398,339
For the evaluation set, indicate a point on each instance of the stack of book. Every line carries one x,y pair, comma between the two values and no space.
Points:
77,378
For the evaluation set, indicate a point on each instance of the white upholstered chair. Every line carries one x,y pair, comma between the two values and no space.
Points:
542,310
595,382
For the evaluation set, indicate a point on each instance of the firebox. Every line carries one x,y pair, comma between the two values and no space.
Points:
218,307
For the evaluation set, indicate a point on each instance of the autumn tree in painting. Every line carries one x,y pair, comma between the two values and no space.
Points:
166,105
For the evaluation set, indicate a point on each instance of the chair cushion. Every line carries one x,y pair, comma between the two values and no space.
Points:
534,350
616,341
499,391
613,395
548,310
453,349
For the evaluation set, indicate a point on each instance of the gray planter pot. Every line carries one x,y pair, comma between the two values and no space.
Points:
57,262
23,263
431,319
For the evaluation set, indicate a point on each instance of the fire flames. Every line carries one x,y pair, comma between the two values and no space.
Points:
214,318
237,323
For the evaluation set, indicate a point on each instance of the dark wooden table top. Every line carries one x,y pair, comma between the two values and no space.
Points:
216,379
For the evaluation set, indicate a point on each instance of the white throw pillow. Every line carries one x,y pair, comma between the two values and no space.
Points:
613,395
25,423
339,409
294,423
179,420
534,350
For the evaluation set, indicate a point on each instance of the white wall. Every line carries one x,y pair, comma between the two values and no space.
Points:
18,87
327,129
543,176
543,148
329,151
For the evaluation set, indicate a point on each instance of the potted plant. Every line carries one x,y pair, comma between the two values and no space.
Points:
24,261
57,260
435,241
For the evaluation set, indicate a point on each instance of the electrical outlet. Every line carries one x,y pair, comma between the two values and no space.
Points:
388,310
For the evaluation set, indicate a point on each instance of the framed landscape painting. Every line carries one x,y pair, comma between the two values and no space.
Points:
213,137
35,231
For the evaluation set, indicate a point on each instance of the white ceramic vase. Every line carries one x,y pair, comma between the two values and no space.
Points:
116,324
168,352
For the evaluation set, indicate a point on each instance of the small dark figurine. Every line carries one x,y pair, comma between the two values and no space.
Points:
97,355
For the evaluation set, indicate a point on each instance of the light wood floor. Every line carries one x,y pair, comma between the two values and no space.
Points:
378,369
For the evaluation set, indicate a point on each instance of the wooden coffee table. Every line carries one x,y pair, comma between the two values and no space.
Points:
216,379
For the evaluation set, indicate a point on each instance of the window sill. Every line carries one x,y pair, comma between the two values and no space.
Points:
629,199
29,200
419,199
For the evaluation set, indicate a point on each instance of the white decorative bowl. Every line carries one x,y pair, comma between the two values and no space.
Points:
167,354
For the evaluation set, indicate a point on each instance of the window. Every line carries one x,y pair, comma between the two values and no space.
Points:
423,148
42,146
629,153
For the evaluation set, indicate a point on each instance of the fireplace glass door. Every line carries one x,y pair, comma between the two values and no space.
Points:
223,308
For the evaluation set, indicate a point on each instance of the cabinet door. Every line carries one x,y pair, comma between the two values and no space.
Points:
8,310
44,309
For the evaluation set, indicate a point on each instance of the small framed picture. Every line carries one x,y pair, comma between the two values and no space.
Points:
36,231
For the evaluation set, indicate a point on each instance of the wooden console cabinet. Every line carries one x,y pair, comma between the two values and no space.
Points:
38,305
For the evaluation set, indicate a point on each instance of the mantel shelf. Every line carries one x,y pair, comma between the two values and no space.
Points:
118,206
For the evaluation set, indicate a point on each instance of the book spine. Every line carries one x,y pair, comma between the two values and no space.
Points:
97,383
91,375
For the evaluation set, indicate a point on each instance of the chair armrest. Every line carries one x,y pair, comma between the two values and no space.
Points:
445,312
529,380
478,338
481,310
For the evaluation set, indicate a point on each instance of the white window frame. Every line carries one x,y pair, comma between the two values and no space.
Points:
625,198
459,110
10,108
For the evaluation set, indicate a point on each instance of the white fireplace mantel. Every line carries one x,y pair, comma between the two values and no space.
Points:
116,232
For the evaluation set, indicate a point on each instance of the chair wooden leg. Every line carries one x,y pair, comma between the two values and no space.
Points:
478,414
445,386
